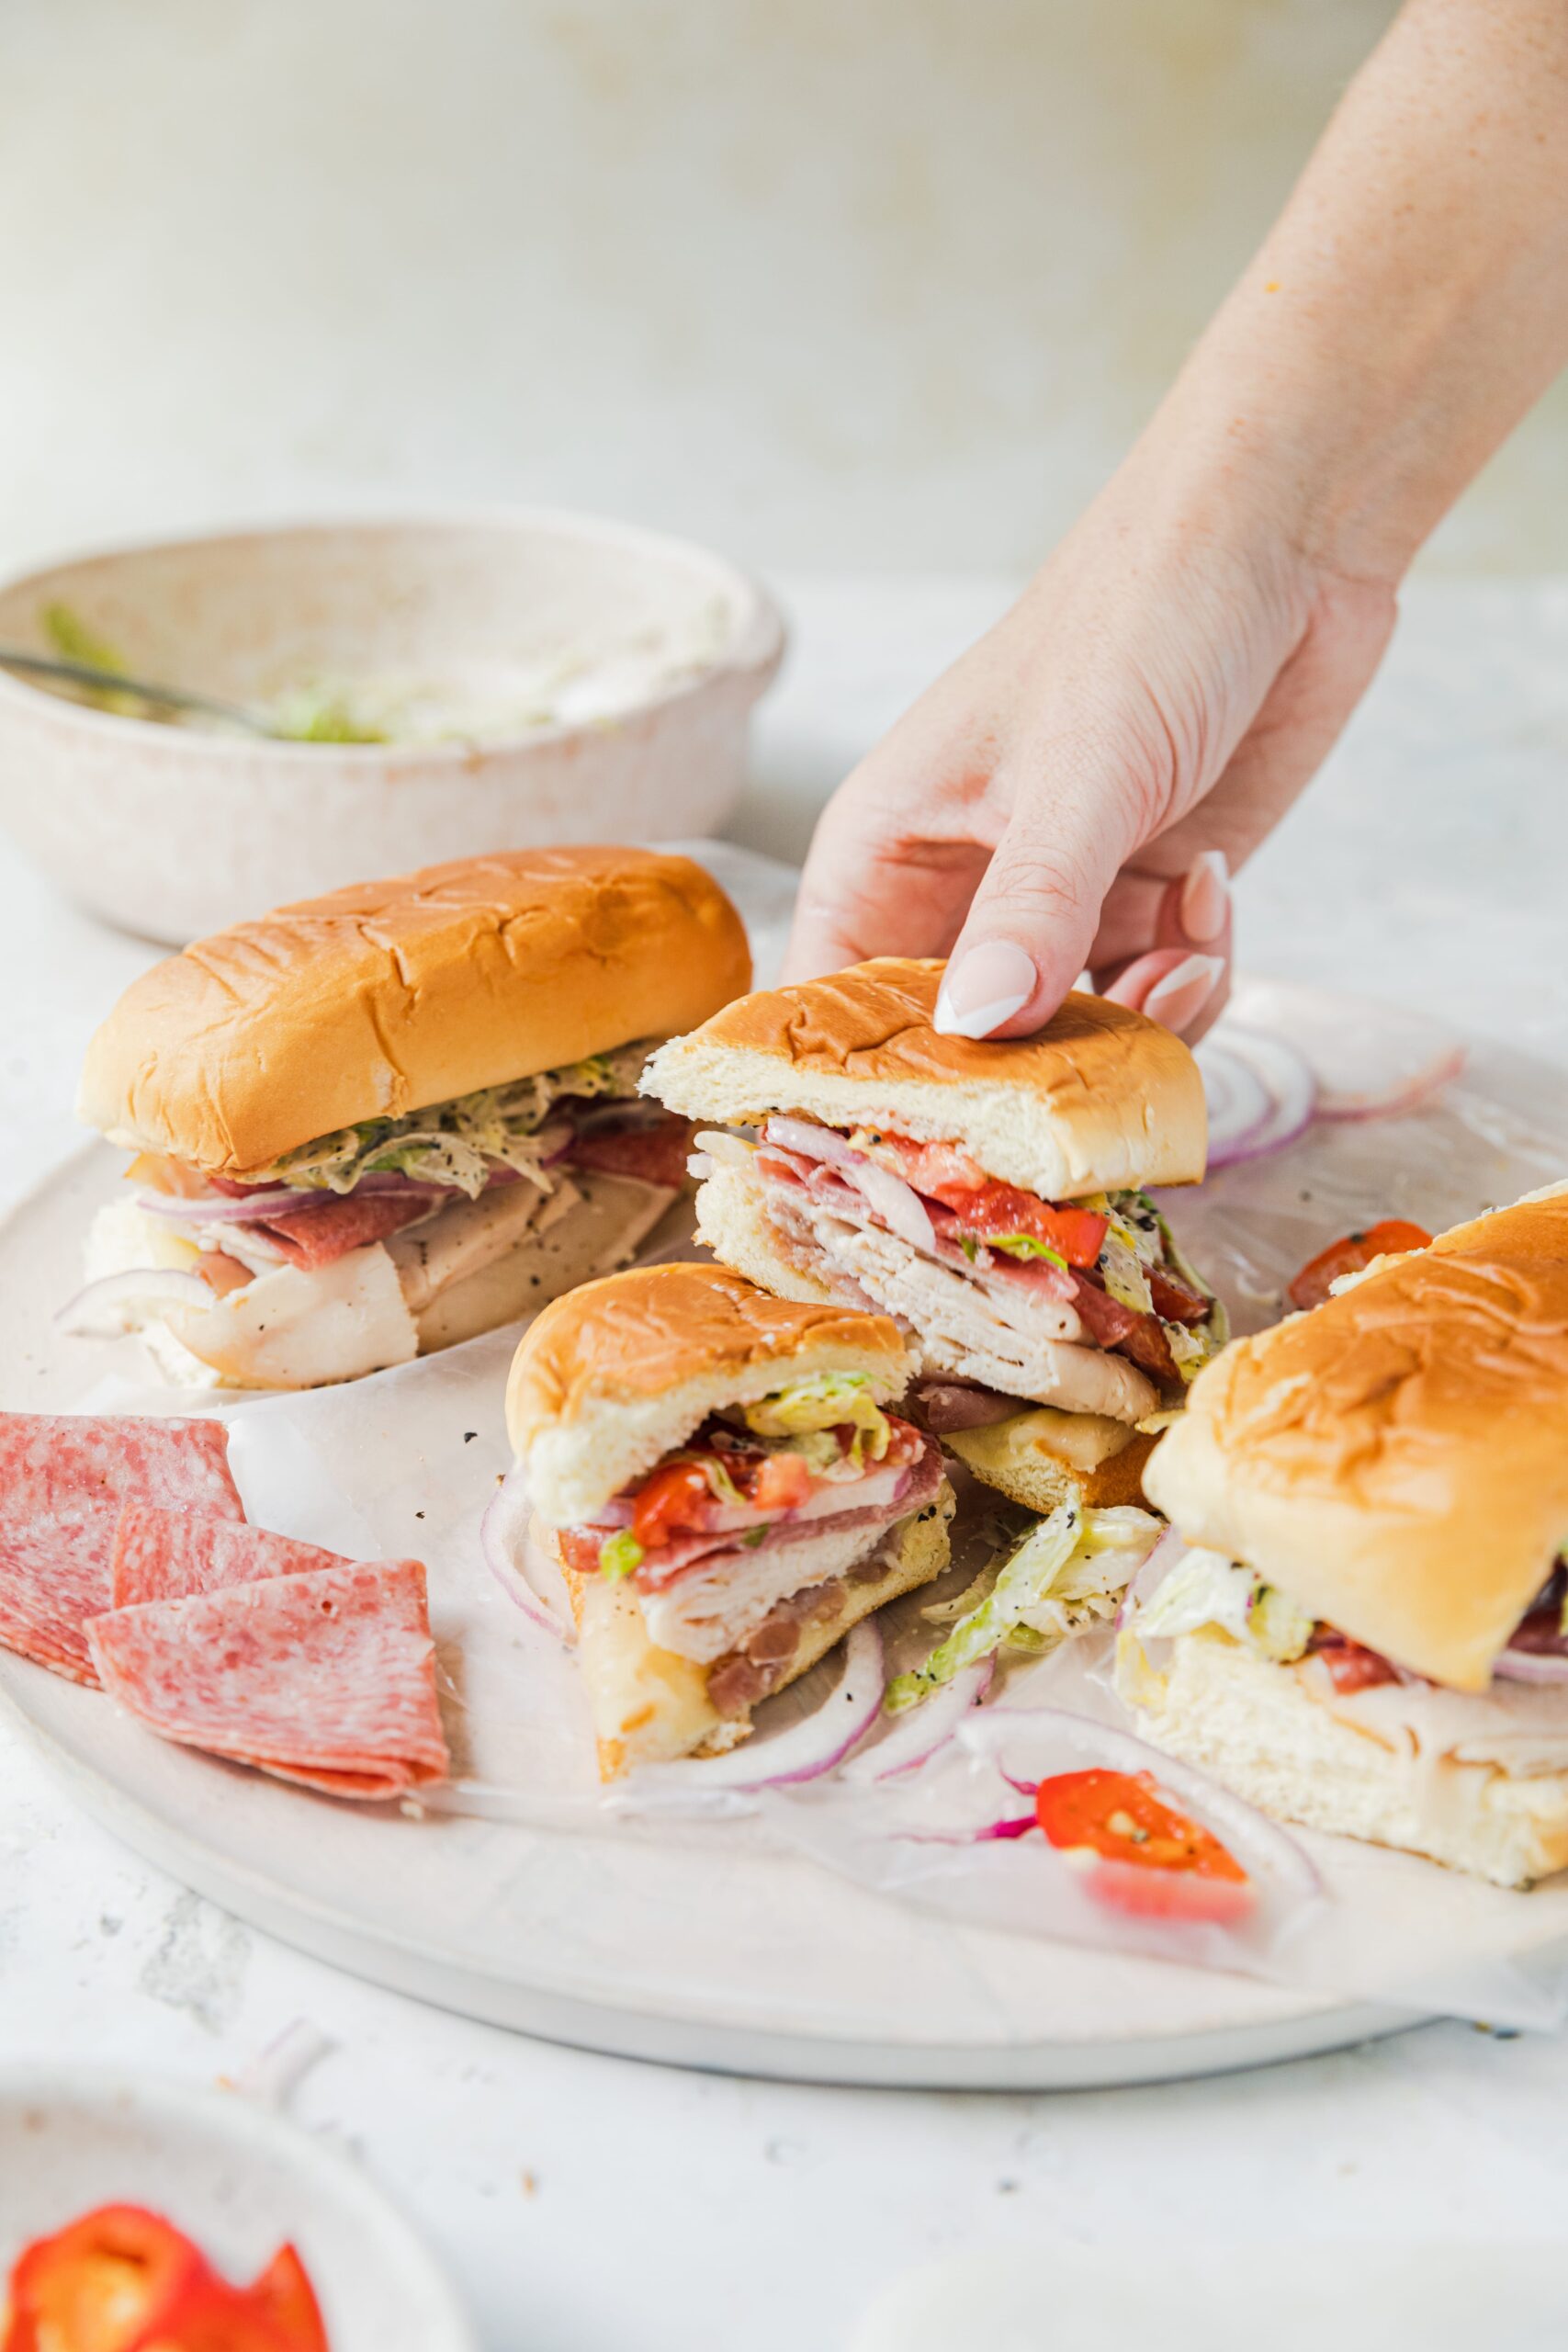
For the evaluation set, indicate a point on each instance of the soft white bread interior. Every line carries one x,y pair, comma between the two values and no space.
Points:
1396,1461
1044,1458
613,1377
380,998
649,1706
1260,1729
1098,1100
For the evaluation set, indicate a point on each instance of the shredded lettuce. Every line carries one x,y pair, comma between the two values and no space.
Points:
1124,1277
619,1554
458,1142
1206,1589
1020,1582
1023,1245
830,1400
1069,1570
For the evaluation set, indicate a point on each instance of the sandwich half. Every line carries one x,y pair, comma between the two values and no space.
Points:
370,1124
988,1196
717,1475
1367,1636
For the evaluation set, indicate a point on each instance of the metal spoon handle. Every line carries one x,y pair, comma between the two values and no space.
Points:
114,681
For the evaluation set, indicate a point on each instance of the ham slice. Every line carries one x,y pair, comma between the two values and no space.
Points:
64,1481
319,1235
165,1554
327,1679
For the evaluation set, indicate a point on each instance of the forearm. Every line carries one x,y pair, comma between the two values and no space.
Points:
1408,307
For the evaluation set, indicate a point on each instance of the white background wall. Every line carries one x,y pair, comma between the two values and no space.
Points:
832,283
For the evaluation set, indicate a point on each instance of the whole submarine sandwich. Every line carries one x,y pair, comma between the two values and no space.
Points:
372,1124
720,1477
1368,1633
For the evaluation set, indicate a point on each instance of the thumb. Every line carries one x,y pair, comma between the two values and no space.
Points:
1034,920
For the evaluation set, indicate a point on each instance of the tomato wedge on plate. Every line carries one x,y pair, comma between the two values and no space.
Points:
1136,1853
1351,1254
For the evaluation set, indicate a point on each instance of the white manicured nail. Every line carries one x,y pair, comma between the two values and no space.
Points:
1206,896
1184,989
987,986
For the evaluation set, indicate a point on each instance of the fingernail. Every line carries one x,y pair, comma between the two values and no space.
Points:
987,985
1184,988
1206,896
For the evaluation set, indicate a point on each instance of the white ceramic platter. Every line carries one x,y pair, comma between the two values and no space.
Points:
237,2179
678,1943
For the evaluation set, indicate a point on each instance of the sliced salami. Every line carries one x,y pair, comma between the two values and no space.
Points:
166,1555
328,1678
656,1153
320,1236
53,1578
63,1479
58,1466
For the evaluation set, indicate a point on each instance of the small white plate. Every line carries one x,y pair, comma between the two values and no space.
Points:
235,2178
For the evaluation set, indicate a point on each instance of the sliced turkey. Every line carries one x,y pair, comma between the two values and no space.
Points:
999,1329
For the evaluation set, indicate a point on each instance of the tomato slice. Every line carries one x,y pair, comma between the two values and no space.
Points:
783,1482
284,2291
1142,1893
993,1211
1138,1855
676,1500
95,2285
1351,1254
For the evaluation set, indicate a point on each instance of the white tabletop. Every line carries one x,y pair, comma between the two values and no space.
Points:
591,2204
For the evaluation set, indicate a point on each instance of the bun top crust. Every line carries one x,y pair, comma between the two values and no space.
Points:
640,1334
1396,1461
380,999
1099,1099
610,1377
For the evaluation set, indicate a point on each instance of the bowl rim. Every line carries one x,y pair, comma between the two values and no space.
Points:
91,2088
752,658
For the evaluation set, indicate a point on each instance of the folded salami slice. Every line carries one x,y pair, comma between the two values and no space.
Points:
63,1479
165,1555
328,1678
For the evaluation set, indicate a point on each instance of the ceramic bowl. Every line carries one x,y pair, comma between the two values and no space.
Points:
615,671
236,2177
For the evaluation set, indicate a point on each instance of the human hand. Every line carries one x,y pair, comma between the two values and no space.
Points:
1076,790
1064,796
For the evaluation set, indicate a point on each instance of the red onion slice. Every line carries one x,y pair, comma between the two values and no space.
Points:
1152,1573
525,1575
898,1204
1007,1734
1371,1060
811,1142
92,1315
266,1201
1244,1064
924,1729
220,1208
1531,1666
804,1752
1238,1104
